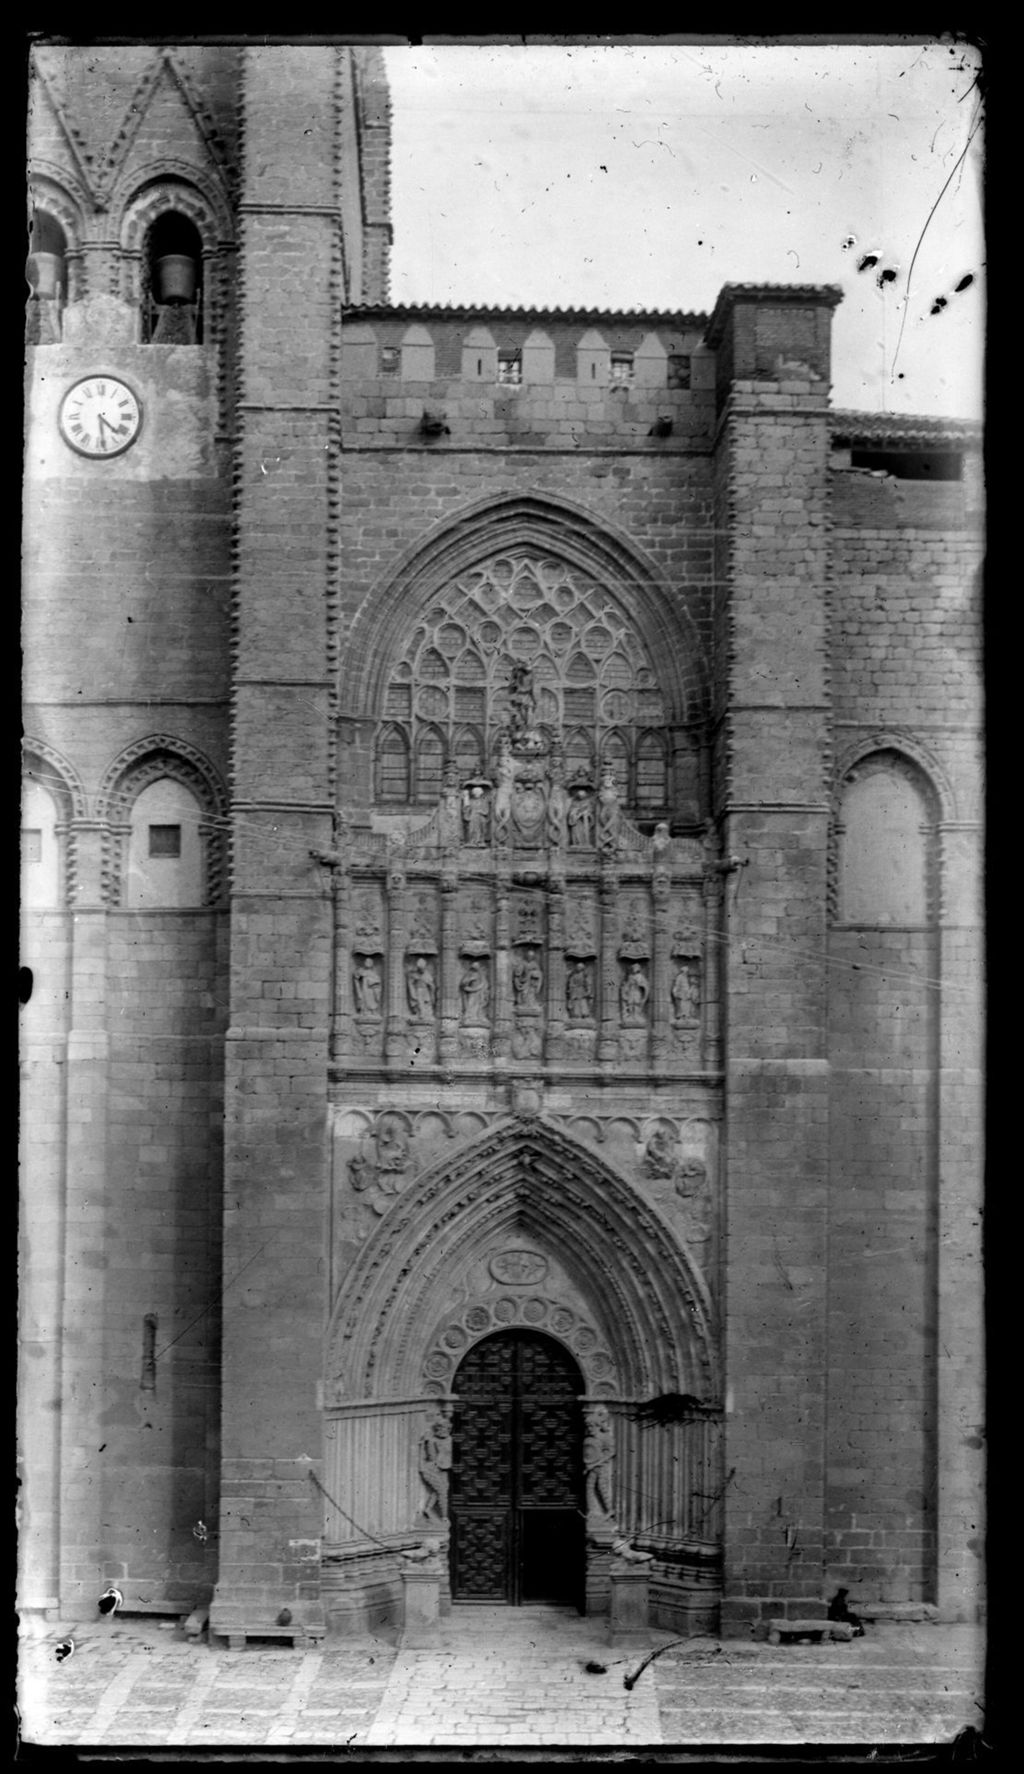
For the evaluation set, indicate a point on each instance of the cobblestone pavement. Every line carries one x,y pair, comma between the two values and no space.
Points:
498,1677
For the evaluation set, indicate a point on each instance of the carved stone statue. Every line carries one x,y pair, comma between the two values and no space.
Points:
661,1157
503,794
527,981
580,820
607,811
633,995
421,990
474,814
367,986
435,1464
693,988
579,993
522,701
450,812
475,990
682,996
598,1460
694,1190
392,1144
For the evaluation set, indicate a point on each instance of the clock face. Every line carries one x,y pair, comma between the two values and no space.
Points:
100,416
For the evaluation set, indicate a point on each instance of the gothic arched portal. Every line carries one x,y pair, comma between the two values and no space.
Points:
636,1292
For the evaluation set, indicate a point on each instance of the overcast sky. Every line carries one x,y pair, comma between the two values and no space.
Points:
649,176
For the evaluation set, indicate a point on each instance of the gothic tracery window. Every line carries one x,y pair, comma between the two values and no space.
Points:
594,684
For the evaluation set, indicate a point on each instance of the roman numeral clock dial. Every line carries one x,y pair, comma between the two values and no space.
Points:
100,416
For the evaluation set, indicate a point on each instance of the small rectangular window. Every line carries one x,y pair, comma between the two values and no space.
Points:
165,840
678,370
510,368
32,845
622,366
390,360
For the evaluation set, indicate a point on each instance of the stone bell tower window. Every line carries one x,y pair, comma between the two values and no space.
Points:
593,681
46,274
172,299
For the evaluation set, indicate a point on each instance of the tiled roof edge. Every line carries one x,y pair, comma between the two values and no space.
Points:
848,426
470,311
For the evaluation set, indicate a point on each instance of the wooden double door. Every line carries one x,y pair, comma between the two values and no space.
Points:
516,1482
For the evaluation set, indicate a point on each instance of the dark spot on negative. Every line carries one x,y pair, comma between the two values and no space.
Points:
867,261
965,283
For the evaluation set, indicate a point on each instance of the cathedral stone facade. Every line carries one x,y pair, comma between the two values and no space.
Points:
501,854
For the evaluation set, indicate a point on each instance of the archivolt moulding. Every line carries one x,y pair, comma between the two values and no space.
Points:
531,522
47,767
905,746
148,760
524,1180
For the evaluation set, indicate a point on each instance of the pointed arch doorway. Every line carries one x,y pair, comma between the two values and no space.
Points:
516,1483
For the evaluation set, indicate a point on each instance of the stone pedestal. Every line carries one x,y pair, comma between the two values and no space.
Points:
421,1594
630,1603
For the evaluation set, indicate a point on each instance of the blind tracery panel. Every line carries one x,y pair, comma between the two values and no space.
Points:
594,684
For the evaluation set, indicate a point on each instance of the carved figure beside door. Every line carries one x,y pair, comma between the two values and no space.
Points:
435,1464
598,1460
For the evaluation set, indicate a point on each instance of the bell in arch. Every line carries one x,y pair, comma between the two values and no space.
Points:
175,257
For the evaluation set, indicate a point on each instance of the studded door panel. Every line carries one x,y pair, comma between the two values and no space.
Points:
480,1555
516,1436
548,1456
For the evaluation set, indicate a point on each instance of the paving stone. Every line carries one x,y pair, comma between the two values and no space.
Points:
922,1689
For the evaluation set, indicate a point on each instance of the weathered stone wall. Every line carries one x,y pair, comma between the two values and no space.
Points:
286,488
906,1337
772,682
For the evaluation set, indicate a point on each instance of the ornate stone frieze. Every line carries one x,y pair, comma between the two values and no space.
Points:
519,1268
380,1167
532,1310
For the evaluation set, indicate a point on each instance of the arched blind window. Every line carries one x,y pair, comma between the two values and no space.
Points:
165,864
885,843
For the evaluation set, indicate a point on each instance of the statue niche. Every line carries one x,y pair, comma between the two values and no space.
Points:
579,992
421,989
685,991
368,985
476,812
475,992
634,961
580,815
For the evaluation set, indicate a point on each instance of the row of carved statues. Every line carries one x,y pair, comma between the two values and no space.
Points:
576,815
634,989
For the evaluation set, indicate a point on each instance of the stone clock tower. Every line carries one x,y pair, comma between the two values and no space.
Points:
482,1094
